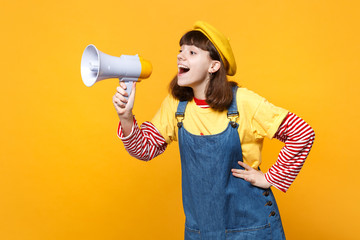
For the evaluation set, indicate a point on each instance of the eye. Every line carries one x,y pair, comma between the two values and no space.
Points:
192,52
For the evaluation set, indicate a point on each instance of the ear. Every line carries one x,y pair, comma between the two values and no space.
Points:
214,66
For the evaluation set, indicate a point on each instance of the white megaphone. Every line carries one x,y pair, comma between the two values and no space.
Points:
97,66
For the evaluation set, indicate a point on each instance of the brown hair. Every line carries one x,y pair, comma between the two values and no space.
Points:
219,90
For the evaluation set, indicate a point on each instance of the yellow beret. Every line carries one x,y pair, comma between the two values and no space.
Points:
221,43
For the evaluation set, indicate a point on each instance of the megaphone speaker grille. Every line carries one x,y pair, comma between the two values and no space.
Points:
90,64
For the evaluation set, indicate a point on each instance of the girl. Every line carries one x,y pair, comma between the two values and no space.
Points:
220,129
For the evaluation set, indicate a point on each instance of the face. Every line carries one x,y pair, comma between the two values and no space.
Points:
194,66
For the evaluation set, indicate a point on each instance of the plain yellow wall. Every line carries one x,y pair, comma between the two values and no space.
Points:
64,174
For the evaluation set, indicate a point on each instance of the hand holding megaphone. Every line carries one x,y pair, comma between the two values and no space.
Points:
123,103
97,66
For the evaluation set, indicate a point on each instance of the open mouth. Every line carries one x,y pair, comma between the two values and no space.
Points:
183,69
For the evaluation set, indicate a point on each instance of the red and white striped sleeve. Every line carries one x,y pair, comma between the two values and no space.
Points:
145,143
298,137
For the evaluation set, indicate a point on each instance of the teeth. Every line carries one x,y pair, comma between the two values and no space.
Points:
183,66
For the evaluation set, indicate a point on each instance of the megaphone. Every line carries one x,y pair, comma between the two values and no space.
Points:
97,66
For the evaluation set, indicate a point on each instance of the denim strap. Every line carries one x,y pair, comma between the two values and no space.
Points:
180,113
233,112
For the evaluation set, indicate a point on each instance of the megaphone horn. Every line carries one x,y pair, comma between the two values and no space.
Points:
97,66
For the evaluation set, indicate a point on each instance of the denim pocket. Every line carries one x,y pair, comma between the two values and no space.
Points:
254,233
192,234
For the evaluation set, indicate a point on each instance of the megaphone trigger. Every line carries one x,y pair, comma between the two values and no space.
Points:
129,85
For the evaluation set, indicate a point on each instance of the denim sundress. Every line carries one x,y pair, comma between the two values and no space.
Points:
217,205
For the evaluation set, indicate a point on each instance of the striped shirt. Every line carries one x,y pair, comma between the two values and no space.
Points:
146,142
298,137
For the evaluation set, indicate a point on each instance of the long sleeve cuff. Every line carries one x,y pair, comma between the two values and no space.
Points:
120,131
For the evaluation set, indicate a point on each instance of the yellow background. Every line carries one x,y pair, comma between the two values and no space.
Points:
64,174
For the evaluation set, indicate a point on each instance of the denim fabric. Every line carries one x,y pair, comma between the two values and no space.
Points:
218,205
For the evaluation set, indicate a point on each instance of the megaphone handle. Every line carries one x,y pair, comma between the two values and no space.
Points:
129,85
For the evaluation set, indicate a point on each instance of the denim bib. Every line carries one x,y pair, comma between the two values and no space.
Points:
218,205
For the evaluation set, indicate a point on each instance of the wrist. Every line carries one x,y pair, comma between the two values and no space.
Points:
267,179
126,117
126,123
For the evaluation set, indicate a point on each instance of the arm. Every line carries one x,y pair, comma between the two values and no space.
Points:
145,143
124,106
298,137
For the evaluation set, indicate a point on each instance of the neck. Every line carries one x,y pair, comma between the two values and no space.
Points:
199,90
199,94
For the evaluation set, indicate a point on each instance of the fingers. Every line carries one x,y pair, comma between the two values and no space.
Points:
244,165
122,101
122,89
254,177
121,94
122,84
126,91
119,101
246,175
242,174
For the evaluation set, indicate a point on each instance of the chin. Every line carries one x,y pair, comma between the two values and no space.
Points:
181,83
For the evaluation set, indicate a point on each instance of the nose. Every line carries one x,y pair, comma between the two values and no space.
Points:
181,56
